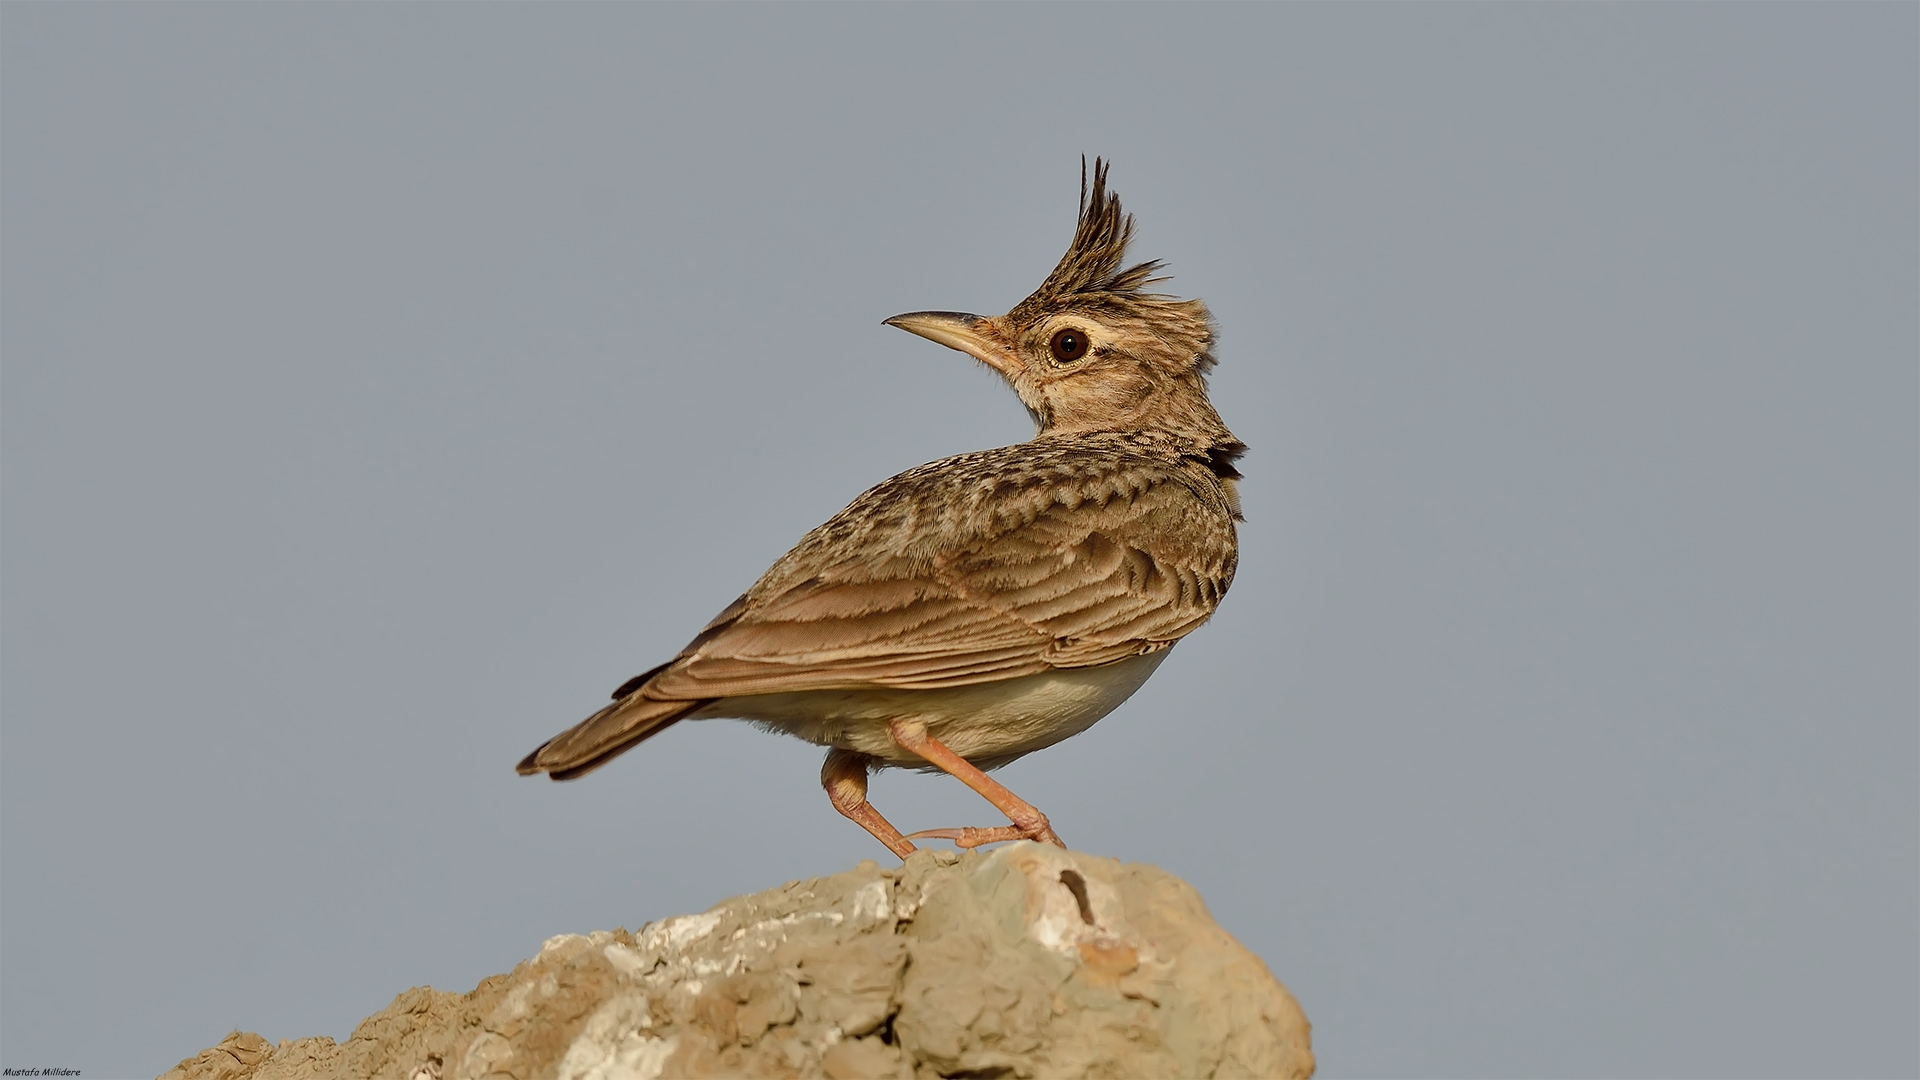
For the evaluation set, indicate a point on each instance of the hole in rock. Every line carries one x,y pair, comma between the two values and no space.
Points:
1077,885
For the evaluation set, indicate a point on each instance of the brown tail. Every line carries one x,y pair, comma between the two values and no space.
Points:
604,736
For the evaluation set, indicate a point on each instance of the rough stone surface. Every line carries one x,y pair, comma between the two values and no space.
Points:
1026,961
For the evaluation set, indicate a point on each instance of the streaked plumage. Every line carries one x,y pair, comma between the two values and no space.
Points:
994,602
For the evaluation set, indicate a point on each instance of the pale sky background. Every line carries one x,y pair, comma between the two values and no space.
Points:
385,384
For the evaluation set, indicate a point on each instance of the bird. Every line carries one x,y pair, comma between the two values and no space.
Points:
978,608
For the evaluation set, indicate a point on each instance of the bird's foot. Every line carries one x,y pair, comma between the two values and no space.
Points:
970,837
1028,822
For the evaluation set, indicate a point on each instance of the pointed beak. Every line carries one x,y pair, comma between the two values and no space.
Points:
971,334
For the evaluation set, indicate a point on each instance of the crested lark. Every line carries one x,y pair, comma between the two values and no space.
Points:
976,609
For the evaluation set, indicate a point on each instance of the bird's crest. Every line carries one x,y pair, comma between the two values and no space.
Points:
1092,262
1092,274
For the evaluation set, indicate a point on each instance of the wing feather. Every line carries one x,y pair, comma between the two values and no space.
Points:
915,595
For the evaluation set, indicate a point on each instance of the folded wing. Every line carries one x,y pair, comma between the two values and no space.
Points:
1069,586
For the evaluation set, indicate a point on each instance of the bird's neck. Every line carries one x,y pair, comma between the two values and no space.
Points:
1213,451
1180,421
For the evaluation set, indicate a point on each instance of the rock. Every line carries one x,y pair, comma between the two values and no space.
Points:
1026,961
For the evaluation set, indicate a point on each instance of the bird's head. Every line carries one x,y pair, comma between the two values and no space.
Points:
1091,350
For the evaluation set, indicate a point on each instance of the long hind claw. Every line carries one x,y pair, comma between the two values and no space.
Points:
970,837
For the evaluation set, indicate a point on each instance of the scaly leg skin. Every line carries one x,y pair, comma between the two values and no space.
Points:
845,777
1028,822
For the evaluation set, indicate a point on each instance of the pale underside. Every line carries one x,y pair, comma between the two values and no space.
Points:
989,724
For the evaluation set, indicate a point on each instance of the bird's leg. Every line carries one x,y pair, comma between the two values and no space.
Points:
845,778
1028,822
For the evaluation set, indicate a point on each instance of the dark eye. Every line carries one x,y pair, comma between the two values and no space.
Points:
1069,345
